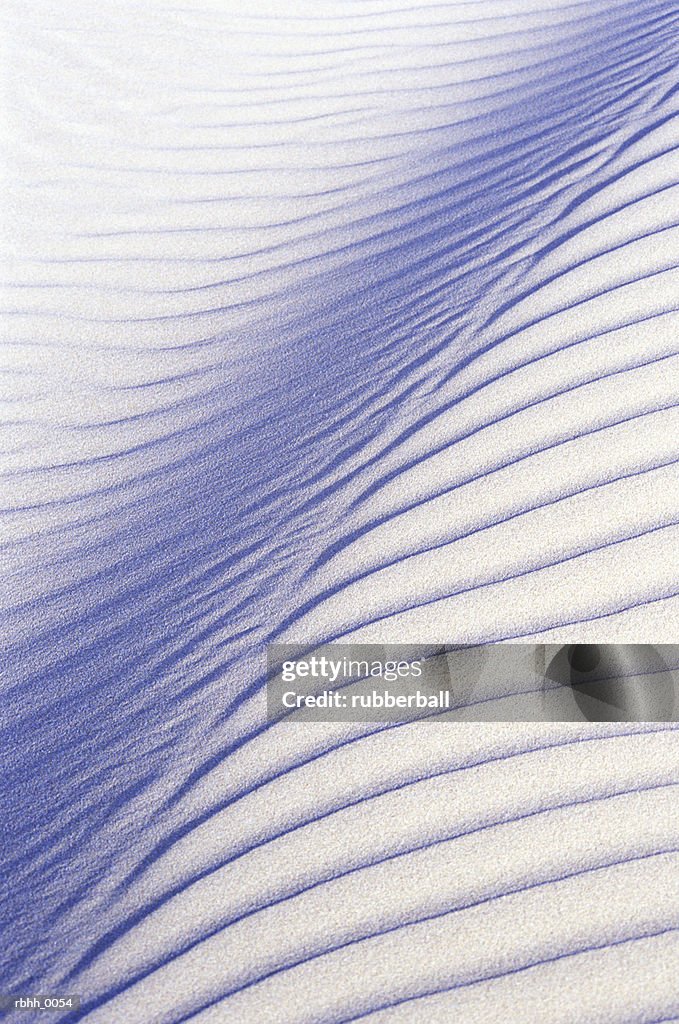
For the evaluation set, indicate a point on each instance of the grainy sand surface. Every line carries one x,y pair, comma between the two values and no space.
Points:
334,320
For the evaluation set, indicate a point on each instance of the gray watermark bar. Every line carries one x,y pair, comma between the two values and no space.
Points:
54,1004
505,682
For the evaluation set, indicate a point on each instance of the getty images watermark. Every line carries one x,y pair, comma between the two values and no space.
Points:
495,682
